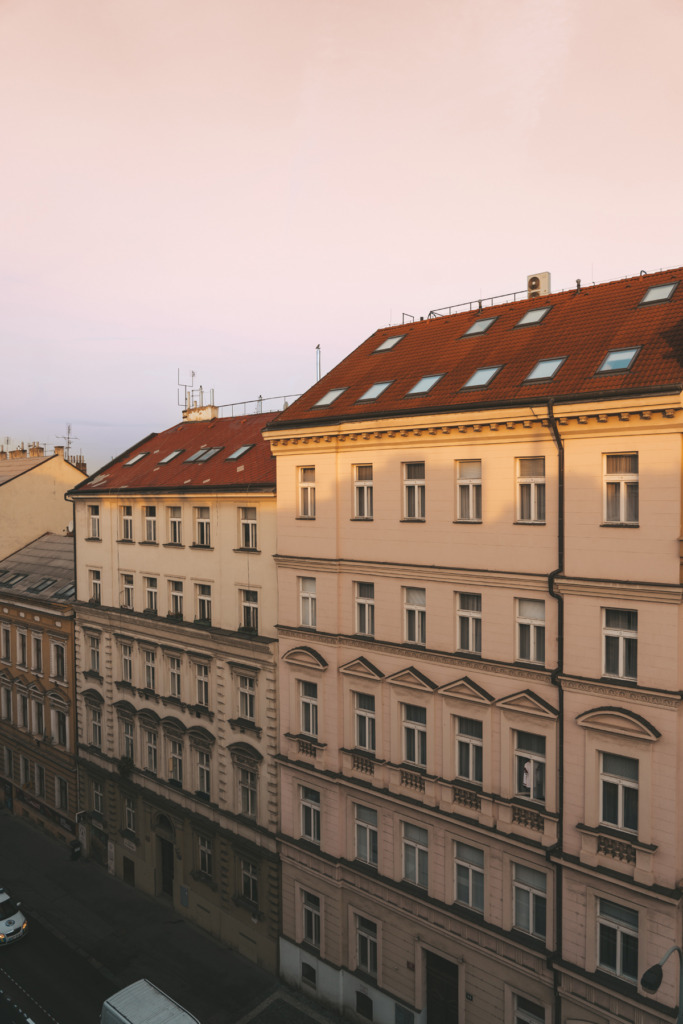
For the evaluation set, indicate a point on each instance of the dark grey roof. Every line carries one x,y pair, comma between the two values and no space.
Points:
49,558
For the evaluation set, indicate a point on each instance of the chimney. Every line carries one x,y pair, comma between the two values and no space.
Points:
3,453
18,453
59,450
36,451
200,412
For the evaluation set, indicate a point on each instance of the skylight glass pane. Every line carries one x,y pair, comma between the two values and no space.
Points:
389,342
42,585
203,455
480,378
479,326
533,316
67,591
330,397
618,359
239,451
136,458
375,391
425,384
167,458
545,369
658,293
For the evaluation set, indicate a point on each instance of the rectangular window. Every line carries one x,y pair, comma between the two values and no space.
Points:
204,773
310,814
97,798
469,490
529,889
6,703
127,590
311,919
202,685
24,771
248,792
619,791
205,850
175,762
531,490
6,641
469,876
38,718
22,649
249,610
530,766
413,490
151,751
126,663
366,835
365,609
309,708
248,528
130,815
366,945
128,740
620,638
176,598
37,654
96,727
247,690
57,661
527,1012
618,940
415,854
61,723
202,523
39,782
365,721
175,524
531,630
95,577
307,492
621,488
363,497
250,881
151,594
150,523
469,623
61,794
150,670
9,763
94,522
22,704
415,603
125,522
470,750
94,653
203,603
174,681
307,601
415,735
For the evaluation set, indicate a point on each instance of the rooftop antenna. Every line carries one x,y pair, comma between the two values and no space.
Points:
317,362
68,438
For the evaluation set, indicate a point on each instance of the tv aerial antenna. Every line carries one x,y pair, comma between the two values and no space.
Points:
68,438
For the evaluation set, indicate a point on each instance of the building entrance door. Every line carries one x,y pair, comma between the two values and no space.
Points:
166,858
442,990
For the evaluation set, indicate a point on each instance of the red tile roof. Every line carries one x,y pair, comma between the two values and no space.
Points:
582,325
254,470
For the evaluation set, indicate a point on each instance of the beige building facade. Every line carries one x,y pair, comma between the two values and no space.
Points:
32,489
480,652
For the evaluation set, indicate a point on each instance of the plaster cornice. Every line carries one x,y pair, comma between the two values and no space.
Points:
623,590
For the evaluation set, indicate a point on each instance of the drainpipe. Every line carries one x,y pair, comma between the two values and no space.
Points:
552,578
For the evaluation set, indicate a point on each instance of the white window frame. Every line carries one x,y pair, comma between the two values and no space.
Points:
415,615
469,876
623,787
95,723
249,873
469,628
205,856
151,751
527,895
58,660
469,507
126,655
366,834
204,772
365,608
61,794
202,526
93,653
414,735
247,697
202,680
306,492
414,491
248,528
415,854
249,608
365,722
151,593
623,484
149,513
175,594
526,1011
530,766
469,751
248,791
95,577
22,648
175,760
624,637
129,814
367,949
127,590
175,676
39,780
531,490
308,698
607,917
311,918
310,814
308,604
128,739
126,522
530,630
94,522
150,669
175,524
203,599
363,495
98,797
60,727
6,641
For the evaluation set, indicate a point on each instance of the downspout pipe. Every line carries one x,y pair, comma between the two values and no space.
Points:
556,673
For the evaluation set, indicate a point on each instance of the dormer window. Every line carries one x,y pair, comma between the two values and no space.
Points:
480,326
389,343
533,316
482,378
238,452
425,384
375,391
329,398
545,369
171,456
203,455
136,458
658,293
618,359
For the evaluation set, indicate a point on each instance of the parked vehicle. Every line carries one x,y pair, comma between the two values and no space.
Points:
143,1003
13,924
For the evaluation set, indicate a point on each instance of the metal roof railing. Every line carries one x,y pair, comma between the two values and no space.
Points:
492,300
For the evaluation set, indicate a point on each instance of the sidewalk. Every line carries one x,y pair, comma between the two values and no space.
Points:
127,935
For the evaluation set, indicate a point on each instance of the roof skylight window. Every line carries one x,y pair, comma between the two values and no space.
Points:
171,456
389,343
479,326
203,455
425,384
238,452
16,577
41,585
618,359
480,378
533,316
545,369
136,458
65,592
658,293
330,397
375,390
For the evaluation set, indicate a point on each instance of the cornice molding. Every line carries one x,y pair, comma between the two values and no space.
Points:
623,590
625,693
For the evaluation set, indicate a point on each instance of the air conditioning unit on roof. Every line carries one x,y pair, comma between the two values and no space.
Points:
537,285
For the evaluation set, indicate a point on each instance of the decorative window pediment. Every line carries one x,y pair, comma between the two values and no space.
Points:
148,719
92,697
528,703
361,668
244,754
305,657
412,677
467,689
618,720
171,724
200,737
124,707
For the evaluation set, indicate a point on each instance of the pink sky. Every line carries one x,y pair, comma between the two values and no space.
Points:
221,185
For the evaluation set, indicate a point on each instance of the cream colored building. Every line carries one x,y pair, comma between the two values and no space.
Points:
480,651
175,652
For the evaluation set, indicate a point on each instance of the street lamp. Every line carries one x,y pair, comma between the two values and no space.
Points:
652,978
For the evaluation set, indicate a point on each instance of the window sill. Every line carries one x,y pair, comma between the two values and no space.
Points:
414,519
203,623
174,616
90,540
150,612
89,673
201,795
242,901
125,540
201,547
172,544
529,522
621,680
620,526
529,664
306,519
362,519
201,876
253,551
621,835
245,725
468,654
149,543
468,522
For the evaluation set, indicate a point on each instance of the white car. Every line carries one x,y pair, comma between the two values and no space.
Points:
13,924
